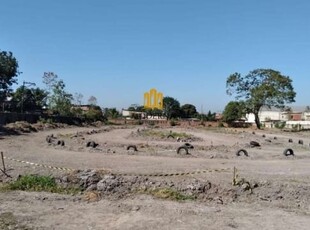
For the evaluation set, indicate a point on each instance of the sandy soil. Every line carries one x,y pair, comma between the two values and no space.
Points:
281,201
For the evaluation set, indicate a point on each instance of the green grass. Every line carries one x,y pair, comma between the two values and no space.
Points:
169,194
38,183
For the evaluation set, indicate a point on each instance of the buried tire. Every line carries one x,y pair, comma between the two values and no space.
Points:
91,144
188,146
254,144
288,152
49,139
182,150
242,151
133,147
61,143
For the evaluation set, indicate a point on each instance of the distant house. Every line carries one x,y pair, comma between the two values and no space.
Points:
306,116
128,114
84,108
270,117
295,116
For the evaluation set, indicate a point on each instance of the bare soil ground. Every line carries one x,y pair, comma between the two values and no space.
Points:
277,196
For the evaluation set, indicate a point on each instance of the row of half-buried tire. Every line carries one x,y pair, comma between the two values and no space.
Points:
286,152
182,149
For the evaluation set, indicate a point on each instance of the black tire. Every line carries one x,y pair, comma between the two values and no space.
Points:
62,143
129,147
181,149
254,144
91,144
290,140
59,142
49,139
288,152
242,151
301,142
188,145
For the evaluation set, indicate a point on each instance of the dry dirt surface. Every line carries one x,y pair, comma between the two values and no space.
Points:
268,190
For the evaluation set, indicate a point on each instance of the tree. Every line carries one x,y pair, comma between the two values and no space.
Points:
261,87
29,99
92,100
233,111
171,107
188,111
60,100
94,114
210,116
8,73
111,113
50,79
78,98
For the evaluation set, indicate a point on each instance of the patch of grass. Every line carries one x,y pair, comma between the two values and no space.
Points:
38,183
9,221
180,135
169,194
163,134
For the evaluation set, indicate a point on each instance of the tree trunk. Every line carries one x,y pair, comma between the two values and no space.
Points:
257,121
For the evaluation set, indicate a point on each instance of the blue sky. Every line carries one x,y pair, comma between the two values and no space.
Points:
116,50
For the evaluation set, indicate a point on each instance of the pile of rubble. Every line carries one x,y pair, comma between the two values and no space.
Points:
109,185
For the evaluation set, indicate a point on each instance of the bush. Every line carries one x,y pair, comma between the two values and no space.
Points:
280,125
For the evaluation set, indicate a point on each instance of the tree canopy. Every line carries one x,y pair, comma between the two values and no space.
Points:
188,111
59,100
261,87
171,107
233,111
29,99
8,73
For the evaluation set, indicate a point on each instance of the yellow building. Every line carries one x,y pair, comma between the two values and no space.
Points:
153,100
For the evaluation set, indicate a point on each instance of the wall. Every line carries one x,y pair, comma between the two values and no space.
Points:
6,118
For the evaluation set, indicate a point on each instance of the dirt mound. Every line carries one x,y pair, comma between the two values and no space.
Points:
162,135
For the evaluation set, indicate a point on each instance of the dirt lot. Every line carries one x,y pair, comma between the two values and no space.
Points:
273,194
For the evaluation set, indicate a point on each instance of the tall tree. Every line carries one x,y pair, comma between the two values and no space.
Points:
60,100
188,111
78,98
261,87
8,73
171,107
50,79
